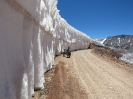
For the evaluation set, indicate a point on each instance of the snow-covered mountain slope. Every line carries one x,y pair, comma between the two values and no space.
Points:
120,42
32,33
101,40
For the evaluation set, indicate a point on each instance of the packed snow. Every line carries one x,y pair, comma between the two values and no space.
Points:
32,33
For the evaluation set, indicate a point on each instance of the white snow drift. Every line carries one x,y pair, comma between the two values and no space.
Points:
31,33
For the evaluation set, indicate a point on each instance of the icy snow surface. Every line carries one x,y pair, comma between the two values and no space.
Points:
31,33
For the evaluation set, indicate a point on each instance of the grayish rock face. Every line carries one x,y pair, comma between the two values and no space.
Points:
120,42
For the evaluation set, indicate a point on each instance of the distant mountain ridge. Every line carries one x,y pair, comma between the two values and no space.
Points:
120,42
101,40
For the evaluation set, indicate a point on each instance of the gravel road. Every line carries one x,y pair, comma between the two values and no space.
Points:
87,76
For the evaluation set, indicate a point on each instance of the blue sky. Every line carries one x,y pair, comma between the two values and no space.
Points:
99,18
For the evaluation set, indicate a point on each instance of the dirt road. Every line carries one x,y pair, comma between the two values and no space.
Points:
87,76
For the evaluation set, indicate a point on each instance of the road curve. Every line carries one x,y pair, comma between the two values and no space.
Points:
99,78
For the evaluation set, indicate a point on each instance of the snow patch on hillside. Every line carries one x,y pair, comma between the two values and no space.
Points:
103,41
100,41
128,57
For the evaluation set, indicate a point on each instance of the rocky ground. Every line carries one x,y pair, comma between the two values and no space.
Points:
96,73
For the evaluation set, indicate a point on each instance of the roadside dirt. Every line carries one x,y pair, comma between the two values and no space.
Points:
88,76
63,84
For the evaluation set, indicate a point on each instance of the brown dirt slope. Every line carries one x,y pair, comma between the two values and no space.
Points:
105,51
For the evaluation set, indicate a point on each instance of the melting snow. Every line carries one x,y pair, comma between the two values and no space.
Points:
127,57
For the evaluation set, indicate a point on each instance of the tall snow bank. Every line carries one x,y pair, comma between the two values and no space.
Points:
31,33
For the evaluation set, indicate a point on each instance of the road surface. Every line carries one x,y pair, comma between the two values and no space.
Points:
87,76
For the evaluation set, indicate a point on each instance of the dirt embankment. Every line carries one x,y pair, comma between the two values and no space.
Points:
110,56
105,51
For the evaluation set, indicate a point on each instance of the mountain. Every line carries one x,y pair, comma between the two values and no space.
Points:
101,40
120,42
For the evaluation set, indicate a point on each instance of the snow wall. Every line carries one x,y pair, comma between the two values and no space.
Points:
31,33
